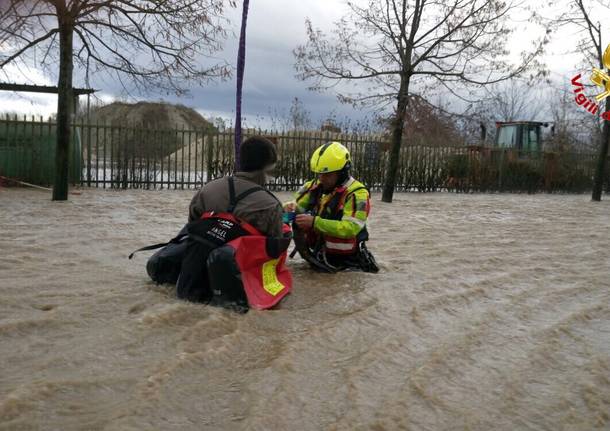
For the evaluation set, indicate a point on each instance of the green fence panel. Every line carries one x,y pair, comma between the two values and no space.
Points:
27,152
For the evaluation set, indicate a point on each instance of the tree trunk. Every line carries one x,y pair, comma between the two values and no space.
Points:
397,131
65,101
598,182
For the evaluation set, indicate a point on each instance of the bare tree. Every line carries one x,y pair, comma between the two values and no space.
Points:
152,44
429,125
513,100
380,50
299,116
574,129
581,15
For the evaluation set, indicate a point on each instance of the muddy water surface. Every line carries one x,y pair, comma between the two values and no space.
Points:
491,312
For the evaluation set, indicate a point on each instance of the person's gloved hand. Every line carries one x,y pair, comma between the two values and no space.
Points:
304,221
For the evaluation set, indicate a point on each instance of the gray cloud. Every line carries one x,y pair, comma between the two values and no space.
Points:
269,80
275,28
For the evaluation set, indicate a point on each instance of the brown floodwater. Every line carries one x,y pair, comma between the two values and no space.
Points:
490,312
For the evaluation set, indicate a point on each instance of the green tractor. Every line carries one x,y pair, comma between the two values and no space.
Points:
515,162
525,136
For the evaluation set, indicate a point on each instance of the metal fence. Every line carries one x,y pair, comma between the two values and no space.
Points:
141,157
145,157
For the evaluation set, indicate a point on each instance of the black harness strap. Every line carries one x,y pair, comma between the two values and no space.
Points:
248,192
176,240
233,200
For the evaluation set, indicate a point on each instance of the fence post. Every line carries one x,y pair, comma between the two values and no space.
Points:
196,160
210,154
189,158
181,158
88,134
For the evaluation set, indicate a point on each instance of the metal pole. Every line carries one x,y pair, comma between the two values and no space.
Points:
241,60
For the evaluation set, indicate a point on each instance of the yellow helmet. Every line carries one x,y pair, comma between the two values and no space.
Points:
330,157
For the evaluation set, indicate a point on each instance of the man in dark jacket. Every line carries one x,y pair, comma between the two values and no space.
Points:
203,268
258,157
218,281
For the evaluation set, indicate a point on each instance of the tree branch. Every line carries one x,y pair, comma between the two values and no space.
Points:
26,47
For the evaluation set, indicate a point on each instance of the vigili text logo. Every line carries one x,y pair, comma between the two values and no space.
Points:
599,78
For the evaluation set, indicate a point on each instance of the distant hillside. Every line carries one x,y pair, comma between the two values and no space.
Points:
159,115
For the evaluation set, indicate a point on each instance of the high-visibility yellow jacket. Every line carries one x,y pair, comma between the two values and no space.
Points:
340,216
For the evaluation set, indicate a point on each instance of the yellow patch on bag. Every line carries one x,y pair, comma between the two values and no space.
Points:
270,282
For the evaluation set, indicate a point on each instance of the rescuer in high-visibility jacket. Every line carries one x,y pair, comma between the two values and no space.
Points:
332,211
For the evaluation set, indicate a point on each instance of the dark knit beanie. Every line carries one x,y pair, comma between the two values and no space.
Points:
256,153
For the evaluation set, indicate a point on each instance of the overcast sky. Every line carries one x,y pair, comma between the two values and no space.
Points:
275,28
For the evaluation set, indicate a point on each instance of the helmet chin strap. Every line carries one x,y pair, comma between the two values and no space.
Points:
344,175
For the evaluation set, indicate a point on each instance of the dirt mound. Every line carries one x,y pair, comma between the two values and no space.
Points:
159,115
154,130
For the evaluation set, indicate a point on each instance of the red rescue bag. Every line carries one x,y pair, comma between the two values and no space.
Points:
262,263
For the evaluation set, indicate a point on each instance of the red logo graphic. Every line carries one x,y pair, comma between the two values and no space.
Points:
599,78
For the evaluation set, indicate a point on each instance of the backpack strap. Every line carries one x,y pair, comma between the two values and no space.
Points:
248,192
233,200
